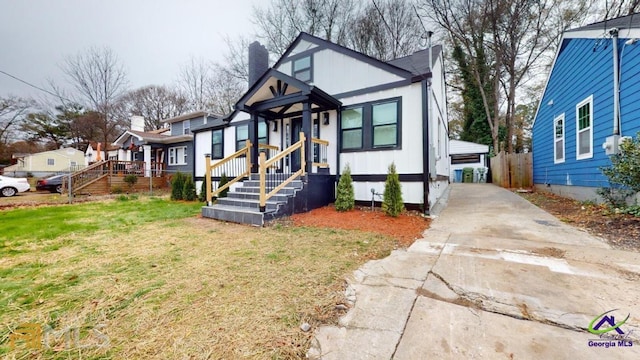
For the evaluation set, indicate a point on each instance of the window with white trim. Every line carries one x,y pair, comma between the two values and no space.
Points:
558,139
178,155
51,162
186,127
584,129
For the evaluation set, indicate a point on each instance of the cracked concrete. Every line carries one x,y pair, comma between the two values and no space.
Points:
494,277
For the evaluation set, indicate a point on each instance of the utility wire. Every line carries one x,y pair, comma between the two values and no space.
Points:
34,86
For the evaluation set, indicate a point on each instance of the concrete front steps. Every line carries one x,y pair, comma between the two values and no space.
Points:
242,205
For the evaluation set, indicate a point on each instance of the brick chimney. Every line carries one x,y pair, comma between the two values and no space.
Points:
258,61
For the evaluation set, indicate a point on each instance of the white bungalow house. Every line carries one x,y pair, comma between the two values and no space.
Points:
46,163
320,107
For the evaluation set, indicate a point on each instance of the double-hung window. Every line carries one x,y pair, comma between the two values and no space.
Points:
51,161
178,155
385,124
302,69
352,120
242,134
369,126
186,127
558,139
584,129
217,150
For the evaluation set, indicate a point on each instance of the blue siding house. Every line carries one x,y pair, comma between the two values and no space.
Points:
580,120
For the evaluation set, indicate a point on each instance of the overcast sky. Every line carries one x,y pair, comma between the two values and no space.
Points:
152,38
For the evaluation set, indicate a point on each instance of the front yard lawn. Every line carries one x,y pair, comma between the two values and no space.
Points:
148,278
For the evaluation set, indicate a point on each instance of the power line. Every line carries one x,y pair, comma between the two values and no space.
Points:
34,86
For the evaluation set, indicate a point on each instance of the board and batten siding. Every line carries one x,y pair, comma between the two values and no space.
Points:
408,158
337,73
580,72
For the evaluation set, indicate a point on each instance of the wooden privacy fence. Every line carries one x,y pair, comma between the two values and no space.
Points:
512,170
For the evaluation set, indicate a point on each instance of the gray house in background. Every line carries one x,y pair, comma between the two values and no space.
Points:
165,150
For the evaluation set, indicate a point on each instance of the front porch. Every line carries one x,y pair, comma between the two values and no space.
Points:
106,177
275,182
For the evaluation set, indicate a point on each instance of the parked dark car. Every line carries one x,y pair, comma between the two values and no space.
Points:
53,184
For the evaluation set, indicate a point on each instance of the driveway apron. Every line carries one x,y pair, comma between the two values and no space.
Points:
494,277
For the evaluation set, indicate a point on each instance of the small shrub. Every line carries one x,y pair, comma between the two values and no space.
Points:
223,180
122,198
131,180
189,189
202,197
392,203
177,186
117,189
345,199
625,166
615,197
632,210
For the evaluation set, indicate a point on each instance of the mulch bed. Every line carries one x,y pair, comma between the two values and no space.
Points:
621,231
405,228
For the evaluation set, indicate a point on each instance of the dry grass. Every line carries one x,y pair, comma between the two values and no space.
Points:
183,289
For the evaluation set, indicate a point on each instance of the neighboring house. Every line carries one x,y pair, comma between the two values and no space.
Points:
95,152
371,113
589,103
46,163
169,149
467,154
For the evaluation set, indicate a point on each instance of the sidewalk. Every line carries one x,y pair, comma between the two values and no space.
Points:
494,277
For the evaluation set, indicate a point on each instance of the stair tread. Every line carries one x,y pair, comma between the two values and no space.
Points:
242,209
253,201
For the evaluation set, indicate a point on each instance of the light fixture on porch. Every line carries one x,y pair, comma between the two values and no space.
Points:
325,118
275,126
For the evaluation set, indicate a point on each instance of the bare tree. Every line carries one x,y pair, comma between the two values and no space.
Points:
236,59
224,91
514,36
12,112
99,79
155,103
193,82
617,8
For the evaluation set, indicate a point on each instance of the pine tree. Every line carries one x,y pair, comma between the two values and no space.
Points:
203,191
189,189
345,199
177,185
223,180
392,203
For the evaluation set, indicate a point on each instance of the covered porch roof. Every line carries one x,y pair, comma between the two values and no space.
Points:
276,95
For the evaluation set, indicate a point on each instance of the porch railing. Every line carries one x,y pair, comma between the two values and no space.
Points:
236,165
320,148
270,151
277,181
86,175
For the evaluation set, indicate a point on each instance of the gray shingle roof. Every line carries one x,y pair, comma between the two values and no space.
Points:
418,62
624,22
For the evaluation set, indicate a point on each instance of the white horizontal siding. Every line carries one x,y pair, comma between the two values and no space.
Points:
465,147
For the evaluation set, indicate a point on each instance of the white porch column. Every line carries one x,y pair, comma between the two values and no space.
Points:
147,160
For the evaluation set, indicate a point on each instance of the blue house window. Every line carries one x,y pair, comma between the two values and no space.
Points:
584,129
558,139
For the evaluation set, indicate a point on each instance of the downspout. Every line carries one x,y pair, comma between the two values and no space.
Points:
616,83
426,106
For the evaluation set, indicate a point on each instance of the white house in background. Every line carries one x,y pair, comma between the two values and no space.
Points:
353,109
46,163
467,154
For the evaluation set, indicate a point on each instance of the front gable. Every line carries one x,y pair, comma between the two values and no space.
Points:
336,69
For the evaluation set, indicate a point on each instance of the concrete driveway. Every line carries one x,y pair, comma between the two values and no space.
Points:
493,278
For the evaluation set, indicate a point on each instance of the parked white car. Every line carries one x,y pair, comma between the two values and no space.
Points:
10,186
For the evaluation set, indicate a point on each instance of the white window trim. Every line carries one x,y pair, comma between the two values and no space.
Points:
186,127
179,155
555,140
588,155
